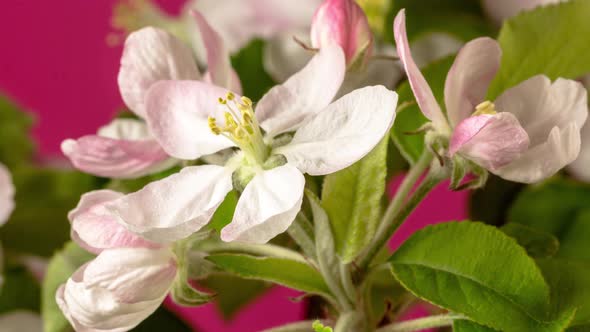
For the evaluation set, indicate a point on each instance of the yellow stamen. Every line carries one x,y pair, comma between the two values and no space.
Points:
487,107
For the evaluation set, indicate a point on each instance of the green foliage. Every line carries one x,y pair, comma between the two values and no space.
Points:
352,199
61,266
225,212
491,203
43,198
162,320
533,43
409,118
16,146
537,243
133,185
469,326
233,293
282,271
476,270
20,290
248,64
319,327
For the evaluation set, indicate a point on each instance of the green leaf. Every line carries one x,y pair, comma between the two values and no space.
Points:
491,203
16,145
61,266
574,239
409,118
531,46
249,66
162,320
182,291
43,198
469,326
20,290
385,295
282,271
570,287
537,243
476,270
352,199
232,292
225,212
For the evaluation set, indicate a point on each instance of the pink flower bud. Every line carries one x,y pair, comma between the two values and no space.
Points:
343,22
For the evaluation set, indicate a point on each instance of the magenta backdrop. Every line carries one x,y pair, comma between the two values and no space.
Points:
55,62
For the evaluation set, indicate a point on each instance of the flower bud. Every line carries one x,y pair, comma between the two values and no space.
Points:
343,22
118,289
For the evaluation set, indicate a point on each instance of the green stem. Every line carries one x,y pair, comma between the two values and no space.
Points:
393,215
347,284
422,323
267,250
301,232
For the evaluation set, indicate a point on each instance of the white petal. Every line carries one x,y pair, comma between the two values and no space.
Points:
6,194
283,57
306,93
151,55
177,114
95,229
20,321
118,289
344,133
175,207
580,168
468,79
267,206
540,106
128,129
544,160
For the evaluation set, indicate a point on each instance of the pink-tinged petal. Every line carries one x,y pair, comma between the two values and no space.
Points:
127,129
343,133
151,55
580,168
6,194
177,113
219,69
544,160
173,208
540,105
467,82
491,141
344,23
286,106
267,207
116,158
117,290
418,83
95,229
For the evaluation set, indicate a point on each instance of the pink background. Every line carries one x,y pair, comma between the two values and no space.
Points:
54,61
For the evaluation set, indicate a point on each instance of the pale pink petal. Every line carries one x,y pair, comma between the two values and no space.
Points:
177,113
95,229
118,289
419,86
116,158
151,55
467,82
343,133
491,141
6,194
267,207
344,23
306,93
580,168
219,67
174,208
544,160
540,105
127,129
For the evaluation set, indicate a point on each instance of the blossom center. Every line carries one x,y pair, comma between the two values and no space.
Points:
487,107
241,127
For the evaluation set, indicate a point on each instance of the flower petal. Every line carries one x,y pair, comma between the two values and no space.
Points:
6,194
491,141
95,229
344,133
419,86
306,93
128,129
544,160
151,55
283,57
175,207
540,106
219,67
177,113
580,168
267,206
118,289
116,158
467,82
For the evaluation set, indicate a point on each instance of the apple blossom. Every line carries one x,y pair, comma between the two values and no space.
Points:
6,194
125,283
529,133
191,119
126,148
